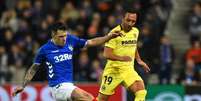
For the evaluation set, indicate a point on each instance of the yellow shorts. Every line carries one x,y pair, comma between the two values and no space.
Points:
112,77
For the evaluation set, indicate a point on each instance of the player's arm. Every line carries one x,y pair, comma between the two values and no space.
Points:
141,62
101,40
108,54
29,75
137,57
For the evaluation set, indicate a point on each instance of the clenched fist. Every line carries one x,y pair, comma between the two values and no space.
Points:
17,90
115,34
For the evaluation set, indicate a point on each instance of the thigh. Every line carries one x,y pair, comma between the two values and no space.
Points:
81,95
63,91
109,82
130,77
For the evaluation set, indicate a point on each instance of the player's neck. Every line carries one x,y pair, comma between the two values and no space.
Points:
124,28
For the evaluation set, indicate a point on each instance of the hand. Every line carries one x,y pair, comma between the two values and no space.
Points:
126,58
17,90
115,34
144,66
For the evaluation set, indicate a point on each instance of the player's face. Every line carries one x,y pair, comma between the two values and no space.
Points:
129,20
60,37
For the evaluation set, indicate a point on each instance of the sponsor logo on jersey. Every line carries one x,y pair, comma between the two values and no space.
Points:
62,57
129,42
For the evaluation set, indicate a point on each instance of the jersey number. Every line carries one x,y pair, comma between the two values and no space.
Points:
108,80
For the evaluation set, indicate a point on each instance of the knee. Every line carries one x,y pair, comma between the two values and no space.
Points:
102,98
83,97
88,96
137,86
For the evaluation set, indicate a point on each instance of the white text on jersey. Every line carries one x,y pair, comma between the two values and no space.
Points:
62,57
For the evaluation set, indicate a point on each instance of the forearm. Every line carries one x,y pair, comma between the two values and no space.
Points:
30,73
137,56
113,57
98,40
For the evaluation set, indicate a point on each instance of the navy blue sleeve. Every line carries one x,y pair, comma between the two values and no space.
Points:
39,56
78,42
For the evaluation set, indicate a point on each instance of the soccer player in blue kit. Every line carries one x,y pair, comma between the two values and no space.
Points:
57,53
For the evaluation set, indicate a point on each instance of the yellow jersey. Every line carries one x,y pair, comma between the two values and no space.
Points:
123,46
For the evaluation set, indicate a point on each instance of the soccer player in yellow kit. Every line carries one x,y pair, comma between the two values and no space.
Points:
121,53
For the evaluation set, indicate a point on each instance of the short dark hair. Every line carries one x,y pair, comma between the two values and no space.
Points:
130,10
57,26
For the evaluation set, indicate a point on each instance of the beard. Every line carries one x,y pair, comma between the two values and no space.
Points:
128,28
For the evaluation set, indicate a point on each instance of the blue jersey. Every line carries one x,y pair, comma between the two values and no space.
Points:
59,59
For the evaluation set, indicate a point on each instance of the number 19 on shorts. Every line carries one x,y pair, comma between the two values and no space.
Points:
108,80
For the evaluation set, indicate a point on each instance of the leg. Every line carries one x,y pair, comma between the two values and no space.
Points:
67,91
103,97
110,81
169,69
81,95
135,84
139,89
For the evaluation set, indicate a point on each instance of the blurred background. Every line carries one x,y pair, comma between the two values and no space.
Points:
169,42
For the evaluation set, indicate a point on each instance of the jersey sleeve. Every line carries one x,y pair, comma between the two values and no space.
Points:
39,57
78,42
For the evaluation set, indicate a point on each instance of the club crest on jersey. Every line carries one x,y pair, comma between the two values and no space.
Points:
70,47
134,35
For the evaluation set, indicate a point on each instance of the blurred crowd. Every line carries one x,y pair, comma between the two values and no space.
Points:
191,73
25,24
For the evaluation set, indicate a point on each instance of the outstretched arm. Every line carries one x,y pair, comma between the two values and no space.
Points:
29,75
140,62
100,40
